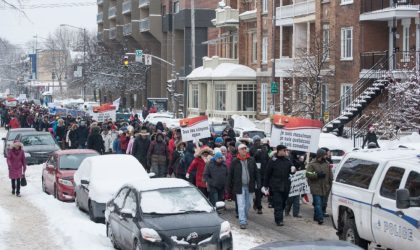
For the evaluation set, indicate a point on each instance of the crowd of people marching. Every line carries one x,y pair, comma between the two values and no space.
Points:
222,167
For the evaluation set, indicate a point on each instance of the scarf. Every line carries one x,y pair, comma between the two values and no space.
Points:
243,158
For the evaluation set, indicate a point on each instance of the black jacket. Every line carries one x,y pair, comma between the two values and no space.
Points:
214,175
234,182
277,174
61,133
260,155
96,142
140,148
370,137
73,139
82,134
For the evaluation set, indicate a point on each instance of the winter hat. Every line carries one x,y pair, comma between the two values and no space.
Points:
242,146
256,138
223,148
320,153
218,140
217,156
17,144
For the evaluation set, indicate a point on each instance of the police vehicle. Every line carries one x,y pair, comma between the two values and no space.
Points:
376,198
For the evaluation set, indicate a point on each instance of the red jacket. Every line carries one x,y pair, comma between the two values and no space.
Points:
14,123
199,164
124,140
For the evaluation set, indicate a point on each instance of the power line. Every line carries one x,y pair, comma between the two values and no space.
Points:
50,5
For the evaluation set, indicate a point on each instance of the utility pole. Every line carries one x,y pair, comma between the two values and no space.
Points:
192,35
84,64
273,51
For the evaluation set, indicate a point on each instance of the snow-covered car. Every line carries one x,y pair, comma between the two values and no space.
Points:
249,133
165,213
154,118
11,135
99,177
38,146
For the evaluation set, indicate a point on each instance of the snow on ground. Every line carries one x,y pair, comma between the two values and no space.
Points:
242,240
5,221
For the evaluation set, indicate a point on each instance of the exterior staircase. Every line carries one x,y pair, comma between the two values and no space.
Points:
363,92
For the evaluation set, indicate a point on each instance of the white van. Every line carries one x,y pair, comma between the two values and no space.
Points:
376,198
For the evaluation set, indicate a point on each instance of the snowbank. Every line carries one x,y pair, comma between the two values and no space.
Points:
242,241
5,221
332,141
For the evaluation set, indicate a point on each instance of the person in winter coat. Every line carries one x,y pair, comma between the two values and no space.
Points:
73,137
95,141
45,124
157,156
124,140
260,154
242,180
116,147
107,138
277,175
140,148
60,133
215,175
82,134
199,164
299,163
17,166
14,122
186,161
371,137
173,142
320,178
177,157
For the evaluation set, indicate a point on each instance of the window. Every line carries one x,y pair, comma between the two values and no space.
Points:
346,94
119,199
264,6
391,182
73,161
264,49
194,96
324,98
326,41
176,7
413,184
131,202
234,50
343,2
264,90
246,97
220,96
357,172
406,44
254,47
347,43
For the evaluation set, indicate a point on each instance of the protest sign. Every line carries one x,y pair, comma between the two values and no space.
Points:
196,128
299,184
296,133
104,112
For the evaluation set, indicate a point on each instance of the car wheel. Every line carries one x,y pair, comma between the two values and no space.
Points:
351,235
91,214
76,201
137,245
44,189
111,236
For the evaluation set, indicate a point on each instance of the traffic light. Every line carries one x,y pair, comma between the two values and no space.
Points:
125,61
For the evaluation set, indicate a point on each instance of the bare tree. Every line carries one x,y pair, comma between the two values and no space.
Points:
310,71
12,66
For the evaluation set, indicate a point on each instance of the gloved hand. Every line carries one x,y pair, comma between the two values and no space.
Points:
265,191
293,169
187,176
321,175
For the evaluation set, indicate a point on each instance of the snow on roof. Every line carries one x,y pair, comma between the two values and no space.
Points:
223,71
241,121
332,142
76,55
158,183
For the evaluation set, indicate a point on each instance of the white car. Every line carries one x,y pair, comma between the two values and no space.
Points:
154,118
251,132
375,198
99,177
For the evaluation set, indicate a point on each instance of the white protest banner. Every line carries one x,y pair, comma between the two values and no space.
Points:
193,129
296,133
103,112
299,184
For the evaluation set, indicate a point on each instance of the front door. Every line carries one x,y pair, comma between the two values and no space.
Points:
386,222
127,225
346,95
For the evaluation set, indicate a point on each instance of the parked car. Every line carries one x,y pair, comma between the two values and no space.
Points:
99,177
58,172
165,213
307,245
10,137
38,146
154,118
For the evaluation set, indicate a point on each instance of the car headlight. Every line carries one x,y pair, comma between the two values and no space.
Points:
224,230
65,182
27,155
150,235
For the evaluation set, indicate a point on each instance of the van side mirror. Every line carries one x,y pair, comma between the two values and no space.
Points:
84,182
4,138
403,198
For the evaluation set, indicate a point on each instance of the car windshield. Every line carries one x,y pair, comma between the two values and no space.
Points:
12,135
32,140
174,201
73,161
254,133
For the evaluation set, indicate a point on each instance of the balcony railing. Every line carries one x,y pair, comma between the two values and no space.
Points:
99,2
100,17
226,17
297,9
375,5
126,7
127,29
404,60
112,12
113,33
144,24
144,3
370,59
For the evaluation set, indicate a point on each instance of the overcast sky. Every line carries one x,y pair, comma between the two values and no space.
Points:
16,28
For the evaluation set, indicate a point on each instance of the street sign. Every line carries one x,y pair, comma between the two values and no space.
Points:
139,55
274,88
147,59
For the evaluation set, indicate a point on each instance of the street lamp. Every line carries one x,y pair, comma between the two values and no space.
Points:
84,55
